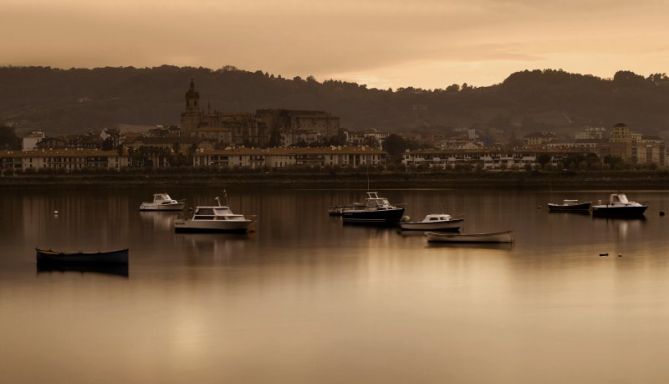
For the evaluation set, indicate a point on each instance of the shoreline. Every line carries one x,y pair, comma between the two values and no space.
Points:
302,180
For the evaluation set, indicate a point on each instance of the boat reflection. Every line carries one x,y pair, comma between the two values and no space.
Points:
491,246
161,220
120,270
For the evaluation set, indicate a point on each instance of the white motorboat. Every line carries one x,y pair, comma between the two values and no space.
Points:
218,218
433,222
619,206
162,202
489,237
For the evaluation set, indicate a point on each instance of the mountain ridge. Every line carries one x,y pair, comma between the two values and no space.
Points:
77,100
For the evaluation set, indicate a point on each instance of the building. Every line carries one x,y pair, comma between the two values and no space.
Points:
538,139
29,143
490,160
67,160
591,133
306,157
265,127
651,150
293,125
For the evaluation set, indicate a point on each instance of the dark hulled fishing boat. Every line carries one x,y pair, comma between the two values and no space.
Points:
377,211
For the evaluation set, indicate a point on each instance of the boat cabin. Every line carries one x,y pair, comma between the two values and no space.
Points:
618,198
436,217
161,198
376,202
216,213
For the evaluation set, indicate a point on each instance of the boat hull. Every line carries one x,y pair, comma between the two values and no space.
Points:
450,225
48,257
618,212
212,226
373,217
582,207
493,237
162,207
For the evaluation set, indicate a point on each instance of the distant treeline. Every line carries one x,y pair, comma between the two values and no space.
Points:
78,100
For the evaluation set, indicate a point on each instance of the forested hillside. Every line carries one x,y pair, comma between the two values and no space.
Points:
78,100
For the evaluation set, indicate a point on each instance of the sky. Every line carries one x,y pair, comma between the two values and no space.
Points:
381,43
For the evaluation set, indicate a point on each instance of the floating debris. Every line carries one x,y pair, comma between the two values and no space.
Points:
603,254
661,213
620,255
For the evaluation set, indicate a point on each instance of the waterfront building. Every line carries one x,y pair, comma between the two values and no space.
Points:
483,159
67,160
306,157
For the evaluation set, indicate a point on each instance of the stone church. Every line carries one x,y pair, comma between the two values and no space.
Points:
264,128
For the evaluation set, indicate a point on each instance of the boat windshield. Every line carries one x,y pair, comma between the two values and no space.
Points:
378,202
619,198
223,211
204,211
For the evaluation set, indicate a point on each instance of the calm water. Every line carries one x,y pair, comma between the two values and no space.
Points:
307,300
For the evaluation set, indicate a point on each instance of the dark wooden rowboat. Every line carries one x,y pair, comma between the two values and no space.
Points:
48,256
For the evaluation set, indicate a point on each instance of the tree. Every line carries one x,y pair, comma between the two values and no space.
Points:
543,160
396,145
8,139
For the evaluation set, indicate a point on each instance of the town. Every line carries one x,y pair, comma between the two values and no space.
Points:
282,138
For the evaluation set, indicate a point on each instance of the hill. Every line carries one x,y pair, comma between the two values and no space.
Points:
78,100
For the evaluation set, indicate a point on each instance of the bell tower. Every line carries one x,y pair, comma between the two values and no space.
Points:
192,97
190,118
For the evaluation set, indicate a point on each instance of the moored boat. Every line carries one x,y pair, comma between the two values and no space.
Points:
376,211
51,257
433,222
218,218
162,202
570,206
619,207
489,237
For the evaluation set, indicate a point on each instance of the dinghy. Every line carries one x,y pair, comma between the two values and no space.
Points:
48,256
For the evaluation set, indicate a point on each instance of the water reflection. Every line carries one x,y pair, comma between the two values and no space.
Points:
112,270
305,299
160,220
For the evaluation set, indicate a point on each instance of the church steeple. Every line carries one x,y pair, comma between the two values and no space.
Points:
192,97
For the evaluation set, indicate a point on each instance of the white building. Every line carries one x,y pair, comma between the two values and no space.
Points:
308,157
29,142
67,160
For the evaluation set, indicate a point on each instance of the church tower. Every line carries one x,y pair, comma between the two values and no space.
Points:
190,118
192,97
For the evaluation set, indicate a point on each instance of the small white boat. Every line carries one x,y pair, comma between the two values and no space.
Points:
489,237
162,202
218,218
433,222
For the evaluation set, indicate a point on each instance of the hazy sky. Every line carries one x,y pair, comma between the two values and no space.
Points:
382,43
